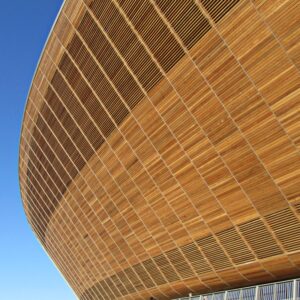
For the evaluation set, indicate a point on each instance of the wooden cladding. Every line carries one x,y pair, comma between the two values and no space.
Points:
77,96
160,146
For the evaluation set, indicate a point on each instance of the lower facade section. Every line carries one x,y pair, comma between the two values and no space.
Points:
284,290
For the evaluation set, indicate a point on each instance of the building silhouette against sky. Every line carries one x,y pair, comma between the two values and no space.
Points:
159,153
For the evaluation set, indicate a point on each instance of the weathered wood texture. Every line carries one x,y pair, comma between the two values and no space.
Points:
160,146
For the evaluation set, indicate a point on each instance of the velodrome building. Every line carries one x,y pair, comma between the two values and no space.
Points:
160,148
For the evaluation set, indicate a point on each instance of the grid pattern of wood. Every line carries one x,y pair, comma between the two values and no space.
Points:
159,152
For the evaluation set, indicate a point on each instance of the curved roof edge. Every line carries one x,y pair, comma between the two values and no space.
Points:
33,77
23,116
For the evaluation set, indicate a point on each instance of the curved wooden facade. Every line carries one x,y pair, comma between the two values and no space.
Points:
159,152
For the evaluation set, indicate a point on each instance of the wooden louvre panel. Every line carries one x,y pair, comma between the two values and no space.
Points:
166,268
260,239
186,19
134,279
125,41
286,228
297,207
235,246
154,272
196,259
217,9
159,151
144,276
214,252
179,263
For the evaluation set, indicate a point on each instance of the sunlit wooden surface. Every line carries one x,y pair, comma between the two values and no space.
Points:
160,146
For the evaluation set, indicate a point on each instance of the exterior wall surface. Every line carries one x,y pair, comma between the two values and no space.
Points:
159,152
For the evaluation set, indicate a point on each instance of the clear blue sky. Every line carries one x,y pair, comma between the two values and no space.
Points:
26,273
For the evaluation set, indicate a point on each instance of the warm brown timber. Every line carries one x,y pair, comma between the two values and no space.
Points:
160,145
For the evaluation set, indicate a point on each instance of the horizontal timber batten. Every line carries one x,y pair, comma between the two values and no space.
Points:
159,152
